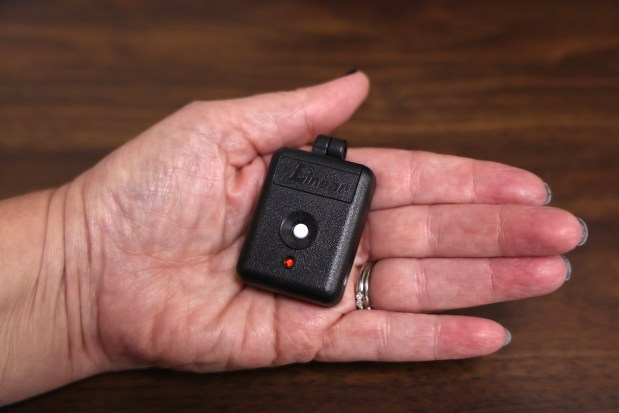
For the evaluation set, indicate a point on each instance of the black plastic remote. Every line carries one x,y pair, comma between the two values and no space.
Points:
308,223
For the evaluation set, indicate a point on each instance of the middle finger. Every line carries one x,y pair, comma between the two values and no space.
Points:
471,231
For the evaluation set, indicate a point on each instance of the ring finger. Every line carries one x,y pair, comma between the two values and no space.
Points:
421,285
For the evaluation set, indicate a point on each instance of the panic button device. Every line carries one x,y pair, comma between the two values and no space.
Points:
308,223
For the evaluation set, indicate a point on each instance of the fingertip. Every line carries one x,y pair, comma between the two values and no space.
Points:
465,337
517,278
296,117
543,231
572,235
547,274
514,185
352,87
362,78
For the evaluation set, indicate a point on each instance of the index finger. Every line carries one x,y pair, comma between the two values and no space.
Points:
423,178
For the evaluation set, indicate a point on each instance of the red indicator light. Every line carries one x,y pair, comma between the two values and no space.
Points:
288,262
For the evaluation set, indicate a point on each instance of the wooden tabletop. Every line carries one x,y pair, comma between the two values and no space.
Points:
529,83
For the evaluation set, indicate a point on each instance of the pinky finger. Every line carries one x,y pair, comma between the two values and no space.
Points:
389,336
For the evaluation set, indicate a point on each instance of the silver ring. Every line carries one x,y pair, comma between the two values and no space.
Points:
362,293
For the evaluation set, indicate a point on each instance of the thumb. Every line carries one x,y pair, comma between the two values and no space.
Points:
273,120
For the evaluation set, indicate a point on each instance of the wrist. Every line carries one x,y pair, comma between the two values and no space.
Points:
82,268
48,313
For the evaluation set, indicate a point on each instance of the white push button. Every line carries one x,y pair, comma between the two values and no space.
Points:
300,231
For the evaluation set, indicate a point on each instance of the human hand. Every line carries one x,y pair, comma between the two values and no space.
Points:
155,229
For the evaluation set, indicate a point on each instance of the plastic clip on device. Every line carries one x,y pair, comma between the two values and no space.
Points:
308,223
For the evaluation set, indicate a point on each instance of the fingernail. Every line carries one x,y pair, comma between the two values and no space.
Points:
548,194
568,268
508,337
351,71
585,232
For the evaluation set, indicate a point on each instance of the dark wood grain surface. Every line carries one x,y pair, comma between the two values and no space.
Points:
529,83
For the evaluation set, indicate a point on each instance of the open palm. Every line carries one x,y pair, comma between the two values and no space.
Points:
166,216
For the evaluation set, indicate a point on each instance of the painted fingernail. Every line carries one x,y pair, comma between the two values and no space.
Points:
568,268
548,194
351,71
585,232
508,337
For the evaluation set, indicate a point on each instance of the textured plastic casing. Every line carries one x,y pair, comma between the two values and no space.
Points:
336,195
